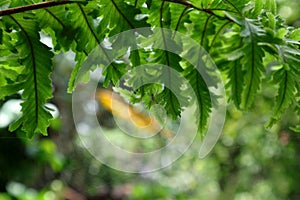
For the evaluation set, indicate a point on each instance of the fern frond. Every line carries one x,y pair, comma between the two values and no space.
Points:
251,61
10,89
170,102
36,58
54,21
285,94
236,79
180,17
203,100
236,5
110,20
287,77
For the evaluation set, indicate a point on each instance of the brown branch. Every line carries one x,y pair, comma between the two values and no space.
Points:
186,3
206,10
48,4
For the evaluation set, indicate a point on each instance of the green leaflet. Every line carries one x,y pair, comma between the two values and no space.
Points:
258,6
230,54
270,5
180,17
113,20
159,14
167,97
10,89
236,79
160,84
86,35
236,6
287,77
201,31
253,67
9,73
240,35
54,21
203,98
201,77
86,38
295,35
4,2
170,102
285,94
297,109
36,58
251,61
8,51
170,95
117,18
113,73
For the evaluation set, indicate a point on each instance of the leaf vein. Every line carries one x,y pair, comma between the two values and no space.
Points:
29,42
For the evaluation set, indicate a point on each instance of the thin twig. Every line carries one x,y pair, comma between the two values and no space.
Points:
206,10
36,6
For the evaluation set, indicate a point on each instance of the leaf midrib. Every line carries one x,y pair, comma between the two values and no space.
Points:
29,42
248,92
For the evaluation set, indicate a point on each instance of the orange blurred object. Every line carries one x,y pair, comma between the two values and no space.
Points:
119,108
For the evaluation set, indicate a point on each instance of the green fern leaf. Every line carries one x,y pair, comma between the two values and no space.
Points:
285,94
159,14
287,77
251,61
236,79
89,35
117,20
10,89
5,3
86,38
295,35
170,102
200,84
171,60
36,58
270,5
203,98
237,6
180,17
54,21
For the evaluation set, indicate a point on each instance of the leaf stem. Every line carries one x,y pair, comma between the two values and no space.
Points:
204,30
32,54
206,10
36,6
95,36
185,10
217,34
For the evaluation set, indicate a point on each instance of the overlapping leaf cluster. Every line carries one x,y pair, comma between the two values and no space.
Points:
241,36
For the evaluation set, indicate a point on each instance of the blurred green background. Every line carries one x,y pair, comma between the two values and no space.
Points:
248,162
